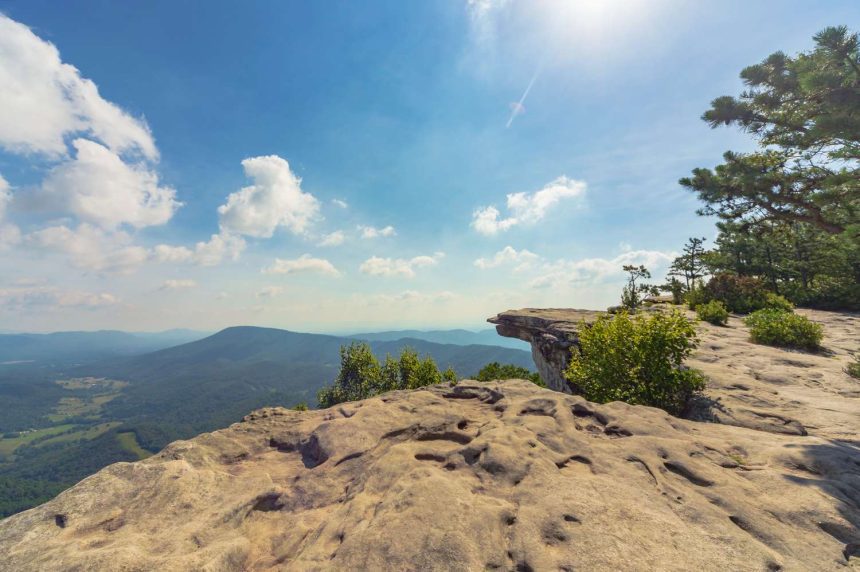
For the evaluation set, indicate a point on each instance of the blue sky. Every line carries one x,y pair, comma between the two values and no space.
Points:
334,166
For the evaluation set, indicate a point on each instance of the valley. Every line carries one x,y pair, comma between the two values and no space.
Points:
70,414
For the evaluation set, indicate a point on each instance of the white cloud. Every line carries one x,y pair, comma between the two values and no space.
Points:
597,270
90,247
340,203
214,251
274,200
99,188
376,266
178,284
270,292
486,221
52,297
9,233
335,238
5,196
523,259
373,232
527,208
304,263
43,100
219,247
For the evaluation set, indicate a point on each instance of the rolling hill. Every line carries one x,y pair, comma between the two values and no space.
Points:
85,347
487,337
71,415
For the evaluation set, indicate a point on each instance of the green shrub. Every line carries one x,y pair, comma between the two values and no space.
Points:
695,297
495,370
714,312
450,376
777,302
785,329
637,359
742,294
301,406
853,369
361,376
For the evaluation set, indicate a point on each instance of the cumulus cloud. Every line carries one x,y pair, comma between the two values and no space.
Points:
274,200
335,238
597,270
90,247
376,266
522,259
205,253
43,100
340,203
527,208
304,263
373,232
178,284
51,297
103,175
99,188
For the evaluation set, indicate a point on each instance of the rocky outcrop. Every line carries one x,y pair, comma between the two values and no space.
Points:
499,476
552,333
749,385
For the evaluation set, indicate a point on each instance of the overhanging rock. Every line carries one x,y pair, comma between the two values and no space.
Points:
552,332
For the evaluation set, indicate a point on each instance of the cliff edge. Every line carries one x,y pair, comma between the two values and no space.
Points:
499,475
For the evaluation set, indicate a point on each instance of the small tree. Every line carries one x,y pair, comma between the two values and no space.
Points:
631,295
450,376
408,364
358,377
389,375
676,288
361,376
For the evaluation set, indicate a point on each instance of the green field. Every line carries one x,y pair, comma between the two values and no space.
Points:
96,393
128,441
90,432
8,446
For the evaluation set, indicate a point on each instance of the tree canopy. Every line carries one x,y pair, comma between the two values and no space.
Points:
790,211
805,113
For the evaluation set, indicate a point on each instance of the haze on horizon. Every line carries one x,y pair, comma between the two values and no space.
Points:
348,167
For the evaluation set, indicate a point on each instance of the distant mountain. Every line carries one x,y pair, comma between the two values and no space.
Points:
84,347
487,337
71,427
206,383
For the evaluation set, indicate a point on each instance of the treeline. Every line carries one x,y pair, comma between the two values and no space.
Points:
790,211
361,374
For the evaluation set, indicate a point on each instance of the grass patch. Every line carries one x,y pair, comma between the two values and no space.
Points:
96,392
128,441
853,368
8,446
87,433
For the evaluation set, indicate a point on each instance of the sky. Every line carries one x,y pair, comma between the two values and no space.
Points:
345,166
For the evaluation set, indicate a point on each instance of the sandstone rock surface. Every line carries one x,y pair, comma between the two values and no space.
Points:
498,476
